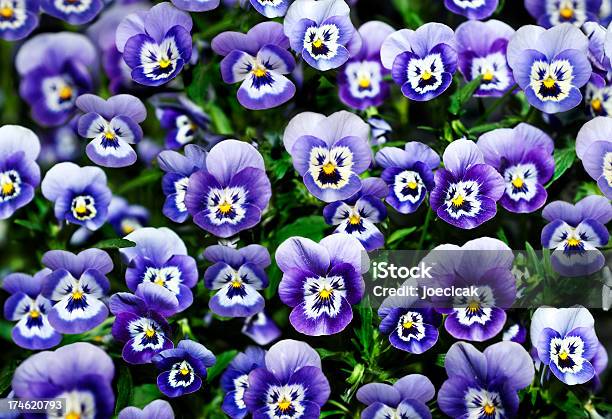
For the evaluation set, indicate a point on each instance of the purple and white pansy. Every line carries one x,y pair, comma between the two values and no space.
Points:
235,380
75,12
18,18
160,257
556,12
290,384
466,189
196,5
481,47
319,31
183,368
126,218
259,59
406,398
321,281
358,214
157,409
594,148
30,310
598,98
472,9
329,152
550,65
77,287
112,126
80,194
523,155
231,192
422,62
271,8
261,328
19,173
156,44
408,173
236,275
484,384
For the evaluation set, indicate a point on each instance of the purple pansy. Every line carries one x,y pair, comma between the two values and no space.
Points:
575,232
140,321
329,152
126,218
196,5
259,59
482,52
236,275
320,31
608,47
261,328
112,125
155,44
80,374
406,398
80,194
408,173
358,214
550,65
157,409
30,310
594,148
178,169
230,193
472,9
18,18
235,380
484,384
556,12
183,120
160,257
75,12
360,81
566,342
597,38
515,333
483,264
466,190
55,68
598,98
271,8
291,384
422,62
77,286
321,281
183,368
523,155
19,173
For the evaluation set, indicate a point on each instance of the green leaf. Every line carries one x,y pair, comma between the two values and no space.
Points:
222,361
29,225
398,235
440,360
6,375
462,95
145,394
146,177
124,389
312,227
220,121
533,259
114,244
564,158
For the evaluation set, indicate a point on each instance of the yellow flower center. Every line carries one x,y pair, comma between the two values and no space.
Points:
364,82
34,314
407,325
127,229
236,283
549,82
458,200
184,371
474,306
325,293
259,72
149,332
317,43
284,404
563,355
81,209
109,135
354,219
573,242
159,280
596,105
489,409
77,295
412,185
165,63
73,415
225,207
328,168
518,182
65,93
6,12
487,76
426,75
566,12
8,188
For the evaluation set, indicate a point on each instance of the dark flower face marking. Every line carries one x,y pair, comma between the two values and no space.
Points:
226,205
181,375
364,78
285,401
560,11
10,185
323,295
60,92
425,74
410,326
461,199
521,181
321,42
551,82
566,353
408,186
483,404
83,207
331,168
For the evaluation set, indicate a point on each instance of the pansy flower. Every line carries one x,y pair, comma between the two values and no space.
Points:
260,328
422,62
112,125
556,12
77,285
472,9
75,12
594,148
160,257
126,218
230,193
483,264
271,8
80,374
321,281
196,5
259,59
360,80
55,68
158,409
408,173
30,310
19,173
358,214
379,129
183,368
566,342
80,194
18,18
575,232
466,190
598,98
484,384
183,120
155,44
550,65
290,385
235,380
320,31
236,275
515,333
406,398
178,169
597,54
523,155
482,53
140,321
329,152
